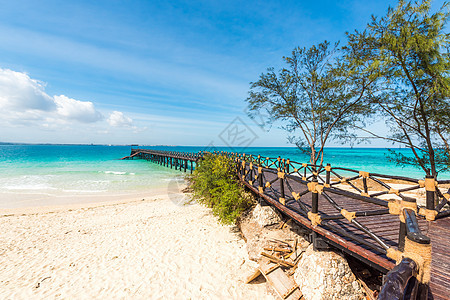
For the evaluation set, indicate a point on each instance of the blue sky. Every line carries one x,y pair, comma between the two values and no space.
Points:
151,72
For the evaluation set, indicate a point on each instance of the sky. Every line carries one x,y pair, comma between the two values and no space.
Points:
153,72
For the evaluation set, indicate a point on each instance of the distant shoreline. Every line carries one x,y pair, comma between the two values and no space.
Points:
178,146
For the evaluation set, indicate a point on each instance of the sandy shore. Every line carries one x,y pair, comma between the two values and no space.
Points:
154,248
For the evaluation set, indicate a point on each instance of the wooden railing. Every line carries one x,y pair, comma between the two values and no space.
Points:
285,184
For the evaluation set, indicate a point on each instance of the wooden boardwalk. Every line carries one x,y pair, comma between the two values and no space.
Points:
343,211
440,264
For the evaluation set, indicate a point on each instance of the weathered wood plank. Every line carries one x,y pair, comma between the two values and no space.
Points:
284,285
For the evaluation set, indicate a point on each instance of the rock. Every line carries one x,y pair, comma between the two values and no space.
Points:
265,215
258,233
326,275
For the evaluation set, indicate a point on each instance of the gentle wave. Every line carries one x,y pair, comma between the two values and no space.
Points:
117,173
29,187
84,191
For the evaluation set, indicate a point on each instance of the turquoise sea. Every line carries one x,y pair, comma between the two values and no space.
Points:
34,175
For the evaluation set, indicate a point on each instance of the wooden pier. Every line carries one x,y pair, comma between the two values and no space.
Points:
359,213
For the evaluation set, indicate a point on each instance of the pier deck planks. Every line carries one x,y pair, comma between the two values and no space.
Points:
440,263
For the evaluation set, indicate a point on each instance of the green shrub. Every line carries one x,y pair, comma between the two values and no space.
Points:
216,185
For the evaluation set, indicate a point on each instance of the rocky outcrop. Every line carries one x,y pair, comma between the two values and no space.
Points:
326,275
261,225
265,215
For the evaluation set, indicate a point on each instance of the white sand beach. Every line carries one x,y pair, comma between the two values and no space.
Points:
154,248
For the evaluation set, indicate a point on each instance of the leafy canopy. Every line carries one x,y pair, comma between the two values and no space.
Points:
314,96
410,49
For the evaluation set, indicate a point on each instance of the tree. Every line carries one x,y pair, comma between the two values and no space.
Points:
410,49
315,95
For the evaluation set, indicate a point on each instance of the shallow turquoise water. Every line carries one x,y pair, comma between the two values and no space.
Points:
42,172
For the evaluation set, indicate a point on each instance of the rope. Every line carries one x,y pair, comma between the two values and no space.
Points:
348,215
421,254
429,214
430,184
295,195
364,174
315,218
394,191
397,206
394,254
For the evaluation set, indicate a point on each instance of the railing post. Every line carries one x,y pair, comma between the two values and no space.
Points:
185,165
366,188
397,279
430,189
281,175
260,177
191,167
401,236
328,175
250,170
315,200
403,230
242,167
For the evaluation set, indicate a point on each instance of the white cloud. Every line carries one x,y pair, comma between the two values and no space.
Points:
82,111
23,101
19,92
32,115
118,119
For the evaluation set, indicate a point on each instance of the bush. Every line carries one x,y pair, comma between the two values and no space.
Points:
216,185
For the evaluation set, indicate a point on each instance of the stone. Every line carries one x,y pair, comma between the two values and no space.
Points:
265,215
326,275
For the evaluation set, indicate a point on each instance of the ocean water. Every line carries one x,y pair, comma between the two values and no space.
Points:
35,175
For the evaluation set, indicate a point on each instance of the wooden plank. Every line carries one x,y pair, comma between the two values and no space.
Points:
284,285
277,260
440,263
255,275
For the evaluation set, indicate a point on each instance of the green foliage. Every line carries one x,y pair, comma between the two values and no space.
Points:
313,96
410,49
215,184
